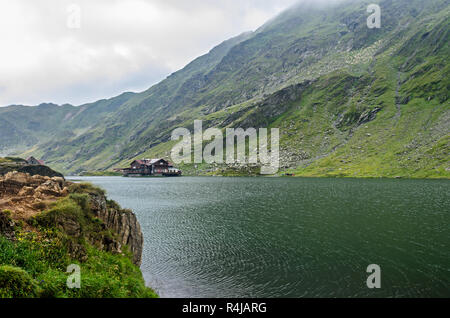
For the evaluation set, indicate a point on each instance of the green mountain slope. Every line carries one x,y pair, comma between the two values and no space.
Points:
349,100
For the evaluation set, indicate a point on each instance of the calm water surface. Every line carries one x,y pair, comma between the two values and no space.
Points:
282,237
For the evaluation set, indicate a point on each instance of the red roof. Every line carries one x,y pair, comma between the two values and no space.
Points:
41,162
150,162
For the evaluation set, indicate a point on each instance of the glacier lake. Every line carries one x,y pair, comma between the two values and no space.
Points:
289,237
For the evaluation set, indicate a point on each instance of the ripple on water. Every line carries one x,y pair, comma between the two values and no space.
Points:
270,237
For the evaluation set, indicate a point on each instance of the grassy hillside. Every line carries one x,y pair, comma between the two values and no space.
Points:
37,249
349,100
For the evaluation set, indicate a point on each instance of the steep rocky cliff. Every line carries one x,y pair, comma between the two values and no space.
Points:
122,222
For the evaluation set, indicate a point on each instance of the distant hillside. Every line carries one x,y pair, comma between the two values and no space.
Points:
349,100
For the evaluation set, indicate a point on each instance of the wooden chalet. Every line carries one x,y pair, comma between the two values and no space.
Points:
151,167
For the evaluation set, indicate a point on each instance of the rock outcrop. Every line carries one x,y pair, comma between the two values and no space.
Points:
24,197
123,222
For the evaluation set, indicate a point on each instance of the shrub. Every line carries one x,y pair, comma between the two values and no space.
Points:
17,283
85,188
60,211
7,213
82,200
31,255
113,205
103,275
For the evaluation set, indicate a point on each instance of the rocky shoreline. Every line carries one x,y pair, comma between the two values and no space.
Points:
80,214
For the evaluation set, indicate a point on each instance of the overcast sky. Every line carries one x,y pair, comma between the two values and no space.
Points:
119,45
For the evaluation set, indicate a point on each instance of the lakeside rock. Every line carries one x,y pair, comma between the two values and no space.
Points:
54,224
27,197
123,222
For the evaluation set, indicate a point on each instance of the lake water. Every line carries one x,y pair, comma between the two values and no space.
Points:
290,237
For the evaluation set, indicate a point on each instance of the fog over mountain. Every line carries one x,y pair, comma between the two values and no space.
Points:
120,45
347,98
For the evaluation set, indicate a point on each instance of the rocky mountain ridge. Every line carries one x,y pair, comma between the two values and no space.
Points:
348,100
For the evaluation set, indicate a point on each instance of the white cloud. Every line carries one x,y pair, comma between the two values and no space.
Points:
121,45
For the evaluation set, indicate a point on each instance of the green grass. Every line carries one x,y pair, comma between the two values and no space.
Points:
17,283
41,270
35,264
12,160
85,188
